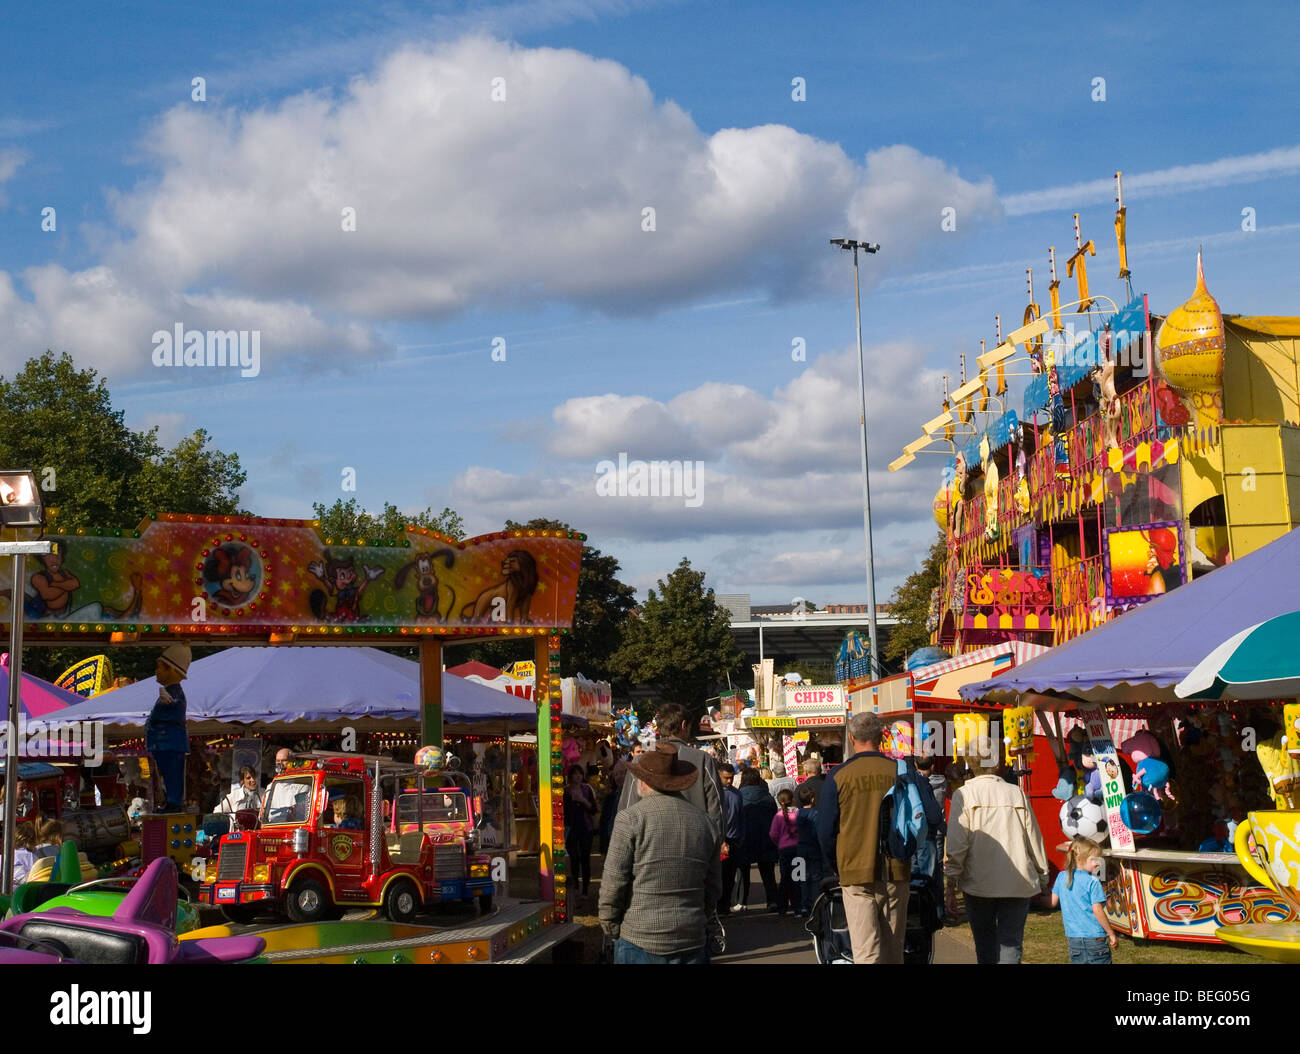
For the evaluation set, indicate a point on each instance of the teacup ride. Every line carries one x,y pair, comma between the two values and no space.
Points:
140,931
1268,845
64,888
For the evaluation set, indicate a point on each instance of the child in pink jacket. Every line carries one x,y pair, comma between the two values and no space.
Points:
784,833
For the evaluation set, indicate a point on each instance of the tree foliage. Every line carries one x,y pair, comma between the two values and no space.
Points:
911,604
347,519
97,472
680,641
94,470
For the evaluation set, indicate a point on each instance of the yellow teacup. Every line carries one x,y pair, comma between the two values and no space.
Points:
1268,846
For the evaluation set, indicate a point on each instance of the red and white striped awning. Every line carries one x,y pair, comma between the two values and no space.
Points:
1014,651
1121,728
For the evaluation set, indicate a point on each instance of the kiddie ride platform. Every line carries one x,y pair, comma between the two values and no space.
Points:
517,931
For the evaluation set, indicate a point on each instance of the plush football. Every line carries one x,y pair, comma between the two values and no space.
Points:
1081,818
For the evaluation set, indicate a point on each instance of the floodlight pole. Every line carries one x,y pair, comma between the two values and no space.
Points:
19,551
867,247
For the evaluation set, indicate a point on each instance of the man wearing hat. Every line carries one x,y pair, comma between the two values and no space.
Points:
706,792
165,735
663,873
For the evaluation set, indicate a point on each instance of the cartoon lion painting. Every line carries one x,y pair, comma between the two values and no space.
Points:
514,592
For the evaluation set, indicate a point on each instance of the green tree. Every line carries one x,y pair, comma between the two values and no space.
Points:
96,472
911,604
679,640
347,519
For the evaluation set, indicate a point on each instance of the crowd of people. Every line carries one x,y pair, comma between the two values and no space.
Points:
687,832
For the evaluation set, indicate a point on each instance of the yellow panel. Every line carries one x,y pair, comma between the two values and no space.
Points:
1260,377
1263,503
1275,325
1259,493
1251,446
1246,540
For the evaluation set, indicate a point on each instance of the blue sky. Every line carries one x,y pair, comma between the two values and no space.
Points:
521,219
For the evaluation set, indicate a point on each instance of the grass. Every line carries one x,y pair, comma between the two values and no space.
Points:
1045,943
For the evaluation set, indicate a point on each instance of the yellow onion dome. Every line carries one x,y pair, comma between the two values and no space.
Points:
943,502
1189,345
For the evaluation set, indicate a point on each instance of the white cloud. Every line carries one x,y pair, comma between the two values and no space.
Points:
790,460
1221,172
171,427
10,161
462,201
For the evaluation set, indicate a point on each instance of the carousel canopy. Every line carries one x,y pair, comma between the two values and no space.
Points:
1143,654
311,688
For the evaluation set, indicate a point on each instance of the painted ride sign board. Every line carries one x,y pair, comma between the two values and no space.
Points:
1112,780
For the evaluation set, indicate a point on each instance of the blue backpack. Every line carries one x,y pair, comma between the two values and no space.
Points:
906,815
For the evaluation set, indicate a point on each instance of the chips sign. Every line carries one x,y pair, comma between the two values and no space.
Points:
1112,780
815,698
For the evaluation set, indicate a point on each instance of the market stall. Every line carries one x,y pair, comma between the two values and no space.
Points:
1160,882
928,698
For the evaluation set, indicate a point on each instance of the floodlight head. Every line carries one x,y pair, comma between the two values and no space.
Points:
20,500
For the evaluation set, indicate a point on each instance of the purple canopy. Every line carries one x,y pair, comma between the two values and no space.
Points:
37,699
305,688
1141,655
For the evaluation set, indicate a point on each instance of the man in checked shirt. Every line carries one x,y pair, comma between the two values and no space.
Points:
662,877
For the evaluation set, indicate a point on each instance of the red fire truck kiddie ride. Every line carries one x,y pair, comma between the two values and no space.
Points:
397,847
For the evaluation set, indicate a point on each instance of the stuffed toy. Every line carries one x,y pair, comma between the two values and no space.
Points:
570,751
1153,776
1076,743
1066,783
1109,399
1092,787
1220,843
1151,769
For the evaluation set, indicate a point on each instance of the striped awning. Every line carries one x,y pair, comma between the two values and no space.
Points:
1014,651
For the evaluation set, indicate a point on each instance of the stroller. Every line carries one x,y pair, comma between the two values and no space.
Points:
829,928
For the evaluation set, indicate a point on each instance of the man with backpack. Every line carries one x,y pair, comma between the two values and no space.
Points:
872,816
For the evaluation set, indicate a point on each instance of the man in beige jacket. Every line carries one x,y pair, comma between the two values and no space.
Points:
996,857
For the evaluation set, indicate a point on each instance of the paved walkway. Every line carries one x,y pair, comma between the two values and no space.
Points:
756,937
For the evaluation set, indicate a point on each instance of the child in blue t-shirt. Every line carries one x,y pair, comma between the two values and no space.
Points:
1083,905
